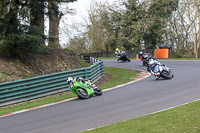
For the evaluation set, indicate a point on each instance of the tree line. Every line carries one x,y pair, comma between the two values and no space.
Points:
145,24
131,25
22,26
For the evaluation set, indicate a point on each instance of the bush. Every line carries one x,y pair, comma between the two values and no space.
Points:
178,56
22,46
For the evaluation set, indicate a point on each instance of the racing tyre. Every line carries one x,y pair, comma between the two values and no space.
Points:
97,91
167,75
82,94
157,77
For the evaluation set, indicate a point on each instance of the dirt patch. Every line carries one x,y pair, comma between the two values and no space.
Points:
55,60
103,79
135,71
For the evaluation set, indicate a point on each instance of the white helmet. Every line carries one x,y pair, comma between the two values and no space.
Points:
69,79
151,62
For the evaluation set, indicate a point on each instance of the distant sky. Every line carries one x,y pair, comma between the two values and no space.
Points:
81,8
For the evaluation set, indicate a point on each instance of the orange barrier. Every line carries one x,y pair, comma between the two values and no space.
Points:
161,53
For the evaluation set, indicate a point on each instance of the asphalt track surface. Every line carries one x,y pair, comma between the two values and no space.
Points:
130,101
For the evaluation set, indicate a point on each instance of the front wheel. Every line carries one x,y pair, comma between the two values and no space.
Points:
157,77
167,75
82,93
97,91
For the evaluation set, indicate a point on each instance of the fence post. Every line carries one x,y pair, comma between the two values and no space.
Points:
86,73
102,69
81,56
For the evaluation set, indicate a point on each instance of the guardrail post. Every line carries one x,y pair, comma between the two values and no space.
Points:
81,56
86,73
102,69
92,60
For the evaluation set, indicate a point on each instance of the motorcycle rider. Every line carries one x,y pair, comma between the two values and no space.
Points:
69,79
118,53
140,54
78,79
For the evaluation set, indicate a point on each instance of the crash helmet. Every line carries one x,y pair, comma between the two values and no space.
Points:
151,62
117,50
69,79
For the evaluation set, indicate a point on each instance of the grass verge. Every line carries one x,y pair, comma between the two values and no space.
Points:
182,119
119,76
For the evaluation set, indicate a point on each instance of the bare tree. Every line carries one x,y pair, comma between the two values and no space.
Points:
178,32
193,15
53,25
54,19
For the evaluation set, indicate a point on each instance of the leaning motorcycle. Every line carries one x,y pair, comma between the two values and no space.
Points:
145,59
159,70
85,89
124,57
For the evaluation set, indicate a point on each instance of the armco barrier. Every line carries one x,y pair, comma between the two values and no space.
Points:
36,87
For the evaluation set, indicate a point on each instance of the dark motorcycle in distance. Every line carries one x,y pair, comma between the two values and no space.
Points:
123,57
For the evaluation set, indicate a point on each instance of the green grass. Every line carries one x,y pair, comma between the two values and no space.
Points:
35,103
119,76
182,119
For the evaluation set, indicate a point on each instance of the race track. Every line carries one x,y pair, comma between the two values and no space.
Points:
130,101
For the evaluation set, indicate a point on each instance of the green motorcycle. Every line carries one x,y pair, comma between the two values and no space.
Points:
84,88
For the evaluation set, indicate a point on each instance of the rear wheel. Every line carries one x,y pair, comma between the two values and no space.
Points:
82,93
97,91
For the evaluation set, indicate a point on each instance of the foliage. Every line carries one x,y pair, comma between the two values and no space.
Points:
20,38
102,29
21,46
136,25
144,22
133,25
159,12
78,44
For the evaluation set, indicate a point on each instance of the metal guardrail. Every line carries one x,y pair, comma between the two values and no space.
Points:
36,87
89,59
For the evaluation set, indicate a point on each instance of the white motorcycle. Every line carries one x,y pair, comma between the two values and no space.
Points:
159,70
